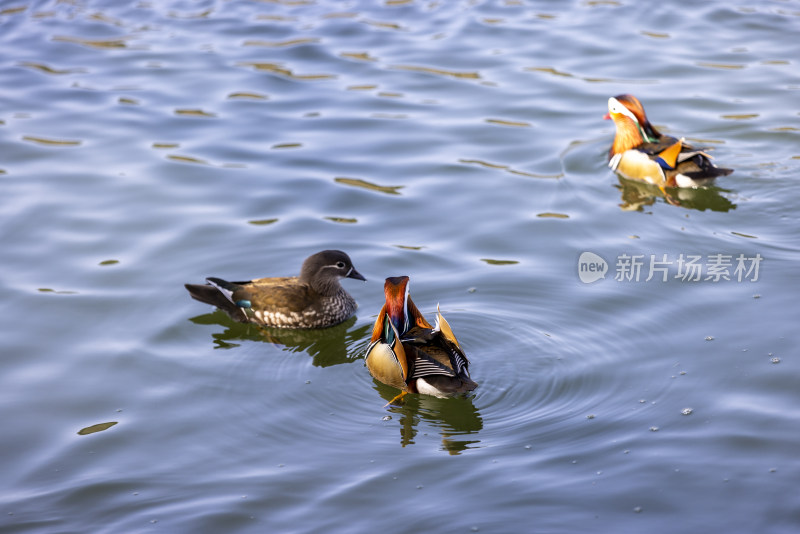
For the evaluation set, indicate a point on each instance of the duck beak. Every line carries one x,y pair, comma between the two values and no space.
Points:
607,116
355,274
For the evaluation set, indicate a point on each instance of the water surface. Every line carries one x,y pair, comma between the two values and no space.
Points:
150,144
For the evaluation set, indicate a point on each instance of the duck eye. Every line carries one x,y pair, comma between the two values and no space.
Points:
340,265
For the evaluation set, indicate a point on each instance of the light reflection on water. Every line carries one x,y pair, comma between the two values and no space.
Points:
146,145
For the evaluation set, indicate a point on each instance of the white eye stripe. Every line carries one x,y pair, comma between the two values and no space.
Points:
615,106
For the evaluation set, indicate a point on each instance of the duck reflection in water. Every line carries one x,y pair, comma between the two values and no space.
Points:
636,195
327,347
456,419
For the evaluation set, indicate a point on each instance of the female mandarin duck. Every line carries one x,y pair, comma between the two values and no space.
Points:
407,353
315,299
640,152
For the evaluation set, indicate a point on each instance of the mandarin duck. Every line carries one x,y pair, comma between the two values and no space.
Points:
315,299
407,353
640,152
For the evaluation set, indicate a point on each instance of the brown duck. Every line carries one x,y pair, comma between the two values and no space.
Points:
315,299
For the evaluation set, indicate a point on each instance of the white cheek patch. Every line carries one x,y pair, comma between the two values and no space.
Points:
615,106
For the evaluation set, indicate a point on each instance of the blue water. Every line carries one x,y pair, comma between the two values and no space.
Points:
145,145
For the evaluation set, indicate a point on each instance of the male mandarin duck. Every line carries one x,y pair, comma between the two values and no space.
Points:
315,299
640,152
407,353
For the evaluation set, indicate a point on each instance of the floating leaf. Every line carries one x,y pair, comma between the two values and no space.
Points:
745,235
13,10
727,66
288,145
553,215
357,182
263,222
283,71
187,159
550,70
499,262
409,247
509,123
49,70
387,25
656,35
440,72
361,56
166,145
51,142
343,220
106,19
194,112
253,96
111,43
96,428
740,116
109,262
128,101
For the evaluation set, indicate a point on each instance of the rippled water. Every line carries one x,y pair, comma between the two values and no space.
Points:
148,144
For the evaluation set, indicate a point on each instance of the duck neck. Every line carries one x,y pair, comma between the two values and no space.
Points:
397,312
629,135
322,280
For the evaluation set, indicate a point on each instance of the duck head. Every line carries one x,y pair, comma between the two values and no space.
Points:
629,132
650,134
323,270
